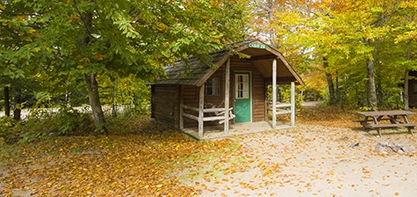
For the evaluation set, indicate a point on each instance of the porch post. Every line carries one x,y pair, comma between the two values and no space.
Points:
292,104
200,112
181,116
274,94
226,97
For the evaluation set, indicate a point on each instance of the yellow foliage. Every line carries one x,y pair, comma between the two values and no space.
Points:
161,27
99,57
85,59
21,17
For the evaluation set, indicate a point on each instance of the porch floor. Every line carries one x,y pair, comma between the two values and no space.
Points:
217,132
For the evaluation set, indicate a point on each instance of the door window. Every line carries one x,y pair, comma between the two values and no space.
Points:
242,86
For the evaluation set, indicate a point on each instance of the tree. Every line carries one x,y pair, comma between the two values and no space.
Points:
404,36
356,44
95,37
16,66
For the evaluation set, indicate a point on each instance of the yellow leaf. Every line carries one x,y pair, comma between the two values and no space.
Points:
99,57
2,7
21,17
85,59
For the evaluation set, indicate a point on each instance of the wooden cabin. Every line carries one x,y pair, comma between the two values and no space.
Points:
226,90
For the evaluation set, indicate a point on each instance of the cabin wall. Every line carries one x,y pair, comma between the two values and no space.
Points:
190,93
165,104
190,97
258,87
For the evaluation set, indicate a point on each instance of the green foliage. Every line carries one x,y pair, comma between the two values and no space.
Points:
44,124
7,135
365,108
61,42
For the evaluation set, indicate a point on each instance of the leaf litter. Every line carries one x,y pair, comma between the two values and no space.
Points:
314,159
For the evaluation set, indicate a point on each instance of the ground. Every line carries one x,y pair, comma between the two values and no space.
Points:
314,161
325,155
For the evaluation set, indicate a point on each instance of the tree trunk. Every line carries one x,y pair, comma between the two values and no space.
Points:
114,95
6,101
98,115
371,98
406,99
90,79
330,85
370,87
406,96
17,101
337,92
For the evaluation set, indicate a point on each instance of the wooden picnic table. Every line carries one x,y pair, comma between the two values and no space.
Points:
396,118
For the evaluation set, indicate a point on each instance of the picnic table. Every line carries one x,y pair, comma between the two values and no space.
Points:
378,120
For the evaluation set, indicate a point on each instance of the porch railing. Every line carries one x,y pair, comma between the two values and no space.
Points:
282,108
218,115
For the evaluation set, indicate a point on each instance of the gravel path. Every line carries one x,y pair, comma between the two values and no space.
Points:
313,161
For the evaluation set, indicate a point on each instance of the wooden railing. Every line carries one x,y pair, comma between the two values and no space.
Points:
218,111
282,108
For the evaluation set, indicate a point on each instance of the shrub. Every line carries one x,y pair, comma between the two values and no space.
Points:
65,122
7,134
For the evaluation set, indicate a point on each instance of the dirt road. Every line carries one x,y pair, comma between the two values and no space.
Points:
312,161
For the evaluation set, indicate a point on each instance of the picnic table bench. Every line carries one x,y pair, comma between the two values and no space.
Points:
397,118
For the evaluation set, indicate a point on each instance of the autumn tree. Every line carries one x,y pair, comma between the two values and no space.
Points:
355,42
404,24
16,66
88,38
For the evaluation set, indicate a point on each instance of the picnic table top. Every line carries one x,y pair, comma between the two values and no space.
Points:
386,113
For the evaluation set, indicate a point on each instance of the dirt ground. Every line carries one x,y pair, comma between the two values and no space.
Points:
313,161
326,154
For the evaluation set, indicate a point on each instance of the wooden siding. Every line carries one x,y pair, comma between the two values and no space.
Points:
166,98
165,104
190,93
258,87
190,97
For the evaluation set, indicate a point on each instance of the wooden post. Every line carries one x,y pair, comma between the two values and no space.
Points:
292,104
226,96
181,116
200,112
274,94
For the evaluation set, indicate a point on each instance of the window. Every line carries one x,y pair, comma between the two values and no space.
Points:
212,86
242,86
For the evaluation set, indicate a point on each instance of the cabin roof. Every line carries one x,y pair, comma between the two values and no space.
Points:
194,72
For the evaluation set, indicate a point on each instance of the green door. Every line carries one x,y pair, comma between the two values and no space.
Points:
242,97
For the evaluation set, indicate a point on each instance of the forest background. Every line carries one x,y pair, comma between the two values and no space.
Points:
60,55
66,54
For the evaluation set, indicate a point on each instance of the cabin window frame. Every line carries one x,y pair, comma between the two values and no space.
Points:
212,86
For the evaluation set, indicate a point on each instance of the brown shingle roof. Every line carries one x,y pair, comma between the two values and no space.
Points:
193,71
189,72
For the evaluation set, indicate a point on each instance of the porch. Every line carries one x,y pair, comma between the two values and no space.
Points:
217,132
241,86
